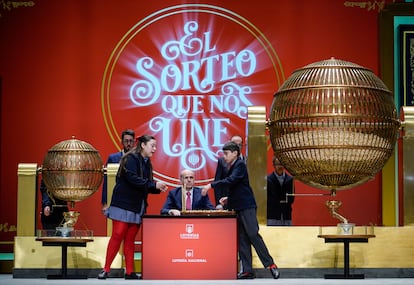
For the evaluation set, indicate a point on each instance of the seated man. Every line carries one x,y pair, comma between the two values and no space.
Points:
193,198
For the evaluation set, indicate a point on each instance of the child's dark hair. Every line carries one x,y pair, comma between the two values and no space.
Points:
232,146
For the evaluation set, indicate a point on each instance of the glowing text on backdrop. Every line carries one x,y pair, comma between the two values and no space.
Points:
187,77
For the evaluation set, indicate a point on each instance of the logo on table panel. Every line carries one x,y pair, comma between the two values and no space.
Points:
189,232
189,257
189,228
187,75
189,253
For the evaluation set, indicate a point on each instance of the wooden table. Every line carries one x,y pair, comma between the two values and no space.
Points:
64,242
346,240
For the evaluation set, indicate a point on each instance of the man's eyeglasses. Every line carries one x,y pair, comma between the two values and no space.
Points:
128,141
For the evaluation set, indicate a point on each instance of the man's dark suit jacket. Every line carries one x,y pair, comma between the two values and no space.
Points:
57,208
174,201
278,202
112,158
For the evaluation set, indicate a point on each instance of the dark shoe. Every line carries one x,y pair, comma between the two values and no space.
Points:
133,275
246,275
275,271
103,274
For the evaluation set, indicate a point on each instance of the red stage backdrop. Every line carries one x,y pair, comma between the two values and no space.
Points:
183,71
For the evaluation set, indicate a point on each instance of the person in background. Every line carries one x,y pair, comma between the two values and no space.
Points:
128,142
279,202
241,200
52,209
134,181
221,173
173,204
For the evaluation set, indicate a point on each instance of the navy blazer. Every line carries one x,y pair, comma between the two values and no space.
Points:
174,201
133,184
237,181
221,173
112,158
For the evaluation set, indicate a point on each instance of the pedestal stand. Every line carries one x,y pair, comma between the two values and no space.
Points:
346,240
64,242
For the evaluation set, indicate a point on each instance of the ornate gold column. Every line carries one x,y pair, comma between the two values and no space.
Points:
26,199
111,170
407,115
257,158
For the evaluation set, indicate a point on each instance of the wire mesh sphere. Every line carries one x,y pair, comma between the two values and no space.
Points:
72,170
333,124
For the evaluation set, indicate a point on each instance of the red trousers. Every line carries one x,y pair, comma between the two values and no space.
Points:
125,232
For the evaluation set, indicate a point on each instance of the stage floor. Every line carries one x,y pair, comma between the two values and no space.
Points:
9,280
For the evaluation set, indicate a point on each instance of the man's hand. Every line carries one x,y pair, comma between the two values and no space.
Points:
46,211
174,212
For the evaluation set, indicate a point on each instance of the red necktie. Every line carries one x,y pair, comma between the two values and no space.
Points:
188,201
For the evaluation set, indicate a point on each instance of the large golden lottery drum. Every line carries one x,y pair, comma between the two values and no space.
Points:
72,170
333,124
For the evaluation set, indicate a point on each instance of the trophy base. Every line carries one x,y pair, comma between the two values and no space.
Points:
346,228
64,231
